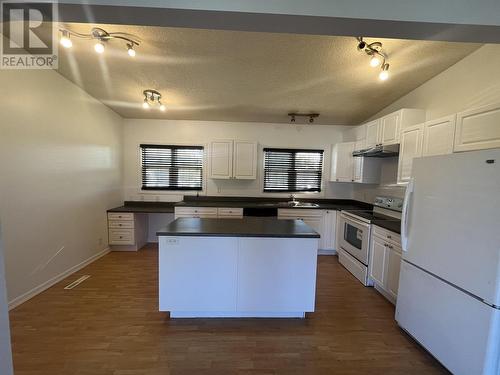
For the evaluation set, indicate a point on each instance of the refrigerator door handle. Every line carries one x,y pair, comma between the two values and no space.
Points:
404,216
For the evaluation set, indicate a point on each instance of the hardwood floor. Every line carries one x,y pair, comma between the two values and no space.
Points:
110,325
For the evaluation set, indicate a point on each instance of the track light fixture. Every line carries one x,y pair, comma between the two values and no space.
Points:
311,116
101,37
152,98
378,58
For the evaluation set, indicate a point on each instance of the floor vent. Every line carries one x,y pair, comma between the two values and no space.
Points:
77,282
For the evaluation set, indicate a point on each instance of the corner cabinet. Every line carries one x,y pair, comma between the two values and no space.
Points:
385,262
342,167
233,159
478,129
322,221
346,168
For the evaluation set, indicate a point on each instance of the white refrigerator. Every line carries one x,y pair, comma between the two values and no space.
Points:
449,288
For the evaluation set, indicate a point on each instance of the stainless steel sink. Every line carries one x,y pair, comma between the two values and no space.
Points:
302,204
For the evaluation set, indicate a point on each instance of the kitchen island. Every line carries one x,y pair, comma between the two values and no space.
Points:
252,267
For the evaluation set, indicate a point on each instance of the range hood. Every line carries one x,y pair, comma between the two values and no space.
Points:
379,151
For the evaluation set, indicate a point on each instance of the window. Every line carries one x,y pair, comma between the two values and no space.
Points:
172,167
290,170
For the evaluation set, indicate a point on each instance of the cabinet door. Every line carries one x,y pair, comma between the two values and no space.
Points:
411,147
245,160
342,162
438,136
372,134
358,169
393,268
377,260
478,129
328,231
391,126
221,159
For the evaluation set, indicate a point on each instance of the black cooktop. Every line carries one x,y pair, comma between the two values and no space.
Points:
370,215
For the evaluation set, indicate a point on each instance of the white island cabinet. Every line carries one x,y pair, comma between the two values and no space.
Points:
253,267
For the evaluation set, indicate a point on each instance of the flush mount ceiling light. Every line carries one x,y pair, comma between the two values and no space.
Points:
378,58
152,98
294,115
101,37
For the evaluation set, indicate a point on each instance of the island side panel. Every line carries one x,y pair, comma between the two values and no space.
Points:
198,273
277,274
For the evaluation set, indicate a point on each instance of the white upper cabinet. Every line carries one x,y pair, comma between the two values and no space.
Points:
394,123
230,159
438,136
221,159
372,134
342,167
245,160
390,127
478,128
411,147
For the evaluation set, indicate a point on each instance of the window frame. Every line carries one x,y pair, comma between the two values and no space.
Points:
171,191
319,192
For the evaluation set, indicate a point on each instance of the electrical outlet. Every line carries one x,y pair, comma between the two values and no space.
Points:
172,241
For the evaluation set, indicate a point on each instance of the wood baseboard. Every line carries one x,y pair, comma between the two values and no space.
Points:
47,284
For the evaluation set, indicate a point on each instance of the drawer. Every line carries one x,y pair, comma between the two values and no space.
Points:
121,237
120,216
203,212
300,213
387,235
230,212
120,224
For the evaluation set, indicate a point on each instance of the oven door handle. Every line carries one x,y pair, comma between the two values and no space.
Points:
350,218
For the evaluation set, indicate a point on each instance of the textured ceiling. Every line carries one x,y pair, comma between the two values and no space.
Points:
248,76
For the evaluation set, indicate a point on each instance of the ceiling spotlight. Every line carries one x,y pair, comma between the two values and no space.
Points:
130,49
152,98
101,37
293,116
65,39
99,47
384,74
377,56
375,61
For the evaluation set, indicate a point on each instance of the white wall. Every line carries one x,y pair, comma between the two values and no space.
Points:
60,169
202,132
5,350
472,82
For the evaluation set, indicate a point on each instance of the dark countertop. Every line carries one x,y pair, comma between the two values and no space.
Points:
145,207
246,227
392,225
242,202
237,202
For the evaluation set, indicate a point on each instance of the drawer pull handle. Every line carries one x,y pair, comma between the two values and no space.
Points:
121,237
389,236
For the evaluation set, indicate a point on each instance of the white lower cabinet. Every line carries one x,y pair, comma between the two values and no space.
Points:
197,212
385,262
127,230
322,221
209,212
